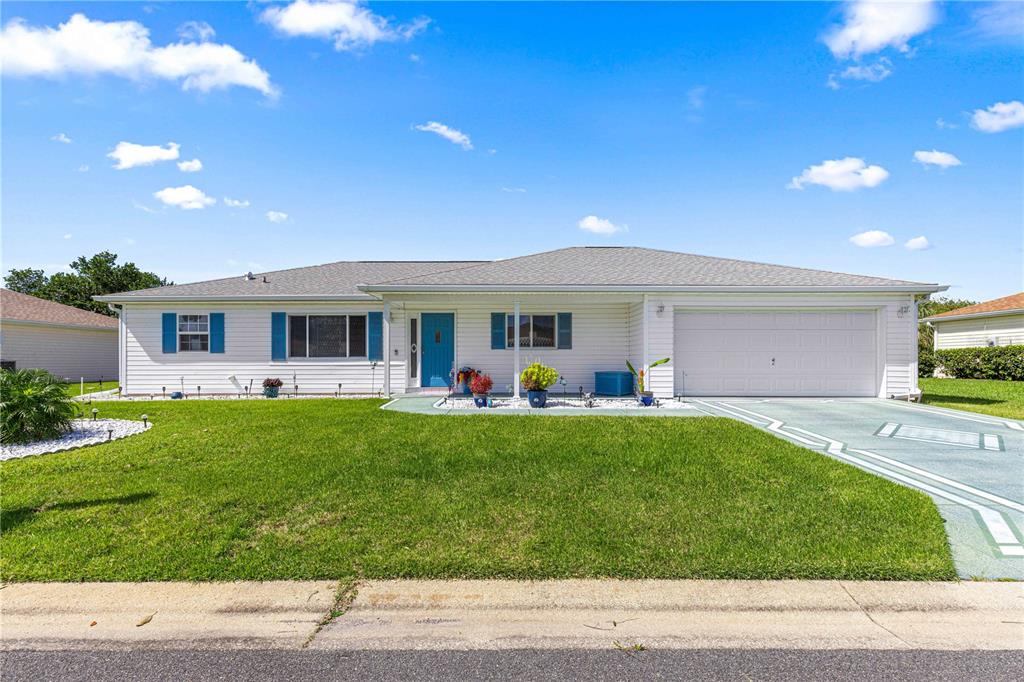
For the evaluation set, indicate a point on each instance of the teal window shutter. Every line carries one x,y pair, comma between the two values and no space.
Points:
375,335
216,332
565,330
278,336
497,331
170,329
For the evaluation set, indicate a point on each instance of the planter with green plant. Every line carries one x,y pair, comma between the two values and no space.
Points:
34,405
643,395
480,385
536,379
271,387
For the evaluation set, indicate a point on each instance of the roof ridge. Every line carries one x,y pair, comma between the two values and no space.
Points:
477,264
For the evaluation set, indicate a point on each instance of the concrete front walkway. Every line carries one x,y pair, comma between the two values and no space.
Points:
490,614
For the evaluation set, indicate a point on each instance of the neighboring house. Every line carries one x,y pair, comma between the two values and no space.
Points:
68,342
992,323
730,327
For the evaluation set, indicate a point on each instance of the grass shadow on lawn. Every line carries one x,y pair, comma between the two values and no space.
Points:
320,489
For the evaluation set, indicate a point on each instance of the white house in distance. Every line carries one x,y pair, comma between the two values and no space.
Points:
730,327
68,342
993,323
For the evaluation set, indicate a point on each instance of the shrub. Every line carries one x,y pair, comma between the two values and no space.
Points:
538,377
925,363
34,405
995,362
272,383
481,384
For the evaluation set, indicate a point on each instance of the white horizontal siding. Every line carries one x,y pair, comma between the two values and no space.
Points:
247,353
984,331
67,353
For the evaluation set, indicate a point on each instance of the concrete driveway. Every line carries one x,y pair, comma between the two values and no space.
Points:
972,465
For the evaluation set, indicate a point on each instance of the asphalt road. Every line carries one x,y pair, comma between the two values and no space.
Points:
716,664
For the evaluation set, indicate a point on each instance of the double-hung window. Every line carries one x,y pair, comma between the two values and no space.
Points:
327,336
194,333
535,331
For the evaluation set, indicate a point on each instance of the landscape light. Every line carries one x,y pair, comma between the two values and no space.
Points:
94,413
145,421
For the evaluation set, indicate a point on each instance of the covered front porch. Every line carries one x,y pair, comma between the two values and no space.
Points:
432,336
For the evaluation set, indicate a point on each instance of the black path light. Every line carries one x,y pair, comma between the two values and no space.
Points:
110,434
562,382
94,413
145,421
163,391
338,394
199,391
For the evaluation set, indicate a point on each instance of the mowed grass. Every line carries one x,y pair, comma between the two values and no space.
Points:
336,488
999,398
90,387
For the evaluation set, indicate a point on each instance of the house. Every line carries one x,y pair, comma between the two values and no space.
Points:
68,342
730,327
993,323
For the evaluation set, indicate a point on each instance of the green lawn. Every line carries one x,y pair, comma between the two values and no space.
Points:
1001,398
90,387
338,488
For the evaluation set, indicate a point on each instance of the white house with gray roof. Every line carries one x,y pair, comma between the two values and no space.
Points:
731,328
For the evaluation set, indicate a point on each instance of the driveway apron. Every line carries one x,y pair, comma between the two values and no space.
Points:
972,465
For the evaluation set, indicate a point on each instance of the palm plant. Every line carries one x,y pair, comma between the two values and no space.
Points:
641,376
34,405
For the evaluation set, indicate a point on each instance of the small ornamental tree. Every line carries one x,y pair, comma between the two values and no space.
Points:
34,405
538,377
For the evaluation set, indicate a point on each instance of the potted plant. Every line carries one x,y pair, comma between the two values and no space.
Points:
463,378
480,385
646,397
535,379
271,387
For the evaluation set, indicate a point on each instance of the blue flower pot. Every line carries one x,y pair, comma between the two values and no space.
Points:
537,398
177,395
646,399
271,391
480,400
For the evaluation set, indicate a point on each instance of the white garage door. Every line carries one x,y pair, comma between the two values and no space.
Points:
775,353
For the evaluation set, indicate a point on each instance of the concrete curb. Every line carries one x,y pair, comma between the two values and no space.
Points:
495,614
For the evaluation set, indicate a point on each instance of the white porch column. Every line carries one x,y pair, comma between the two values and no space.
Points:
647,325
515,337
386,343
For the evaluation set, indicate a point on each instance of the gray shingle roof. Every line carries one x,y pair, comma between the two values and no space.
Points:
634,266
333,279
18,307
582,266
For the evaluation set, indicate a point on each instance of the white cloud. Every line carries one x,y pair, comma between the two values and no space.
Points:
61,137
185,197
277,216
67,236
348,24
415,58
451,134
142,207
81,46
999,117
198,31
997,20
193,166
84,168
943,124
236,203
595,225
841,175
872,238
936,158
130,155
870,27
514,190
918,243
695,97
872,73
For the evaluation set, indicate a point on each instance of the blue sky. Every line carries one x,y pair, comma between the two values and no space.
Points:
770,132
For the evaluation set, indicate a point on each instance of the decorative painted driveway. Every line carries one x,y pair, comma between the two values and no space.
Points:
972,465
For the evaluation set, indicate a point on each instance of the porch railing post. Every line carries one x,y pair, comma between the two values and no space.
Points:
515,337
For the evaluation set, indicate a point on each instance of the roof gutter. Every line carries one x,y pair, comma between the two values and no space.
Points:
575,288
972,316
119,298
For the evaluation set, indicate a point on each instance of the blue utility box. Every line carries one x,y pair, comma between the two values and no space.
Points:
613,383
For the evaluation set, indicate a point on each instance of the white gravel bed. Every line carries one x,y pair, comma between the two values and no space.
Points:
559,403
83,432
235,396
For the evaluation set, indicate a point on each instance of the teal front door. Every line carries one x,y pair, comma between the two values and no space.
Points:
437,341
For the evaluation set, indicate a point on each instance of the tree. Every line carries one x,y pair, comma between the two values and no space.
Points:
93,276
925,332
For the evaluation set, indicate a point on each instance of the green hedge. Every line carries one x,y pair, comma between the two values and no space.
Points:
996,362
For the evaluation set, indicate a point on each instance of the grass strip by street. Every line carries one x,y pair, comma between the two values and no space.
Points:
325,488
76,389
998,398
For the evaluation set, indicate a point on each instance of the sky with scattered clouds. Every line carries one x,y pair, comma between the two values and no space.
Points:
203,139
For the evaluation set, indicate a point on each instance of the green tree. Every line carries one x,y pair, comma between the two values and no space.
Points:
94,276
926,334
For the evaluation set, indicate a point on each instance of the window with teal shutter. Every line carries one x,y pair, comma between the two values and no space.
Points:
497,331
216,332
278,336
170,332
565,330
375,335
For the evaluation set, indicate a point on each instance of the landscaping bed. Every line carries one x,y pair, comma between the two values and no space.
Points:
333,488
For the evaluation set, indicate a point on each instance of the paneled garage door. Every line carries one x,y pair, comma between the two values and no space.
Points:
775,353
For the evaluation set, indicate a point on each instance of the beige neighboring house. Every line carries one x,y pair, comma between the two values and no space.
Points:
992,323
68,342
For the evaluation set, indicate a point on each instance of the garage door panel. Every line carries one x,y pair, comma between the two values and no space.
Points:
789,353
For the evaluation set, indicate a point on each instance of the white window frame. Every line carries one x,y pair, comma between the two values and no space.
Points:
510,343
179,333
348,336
